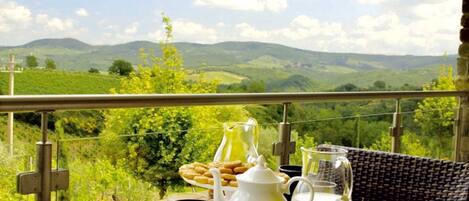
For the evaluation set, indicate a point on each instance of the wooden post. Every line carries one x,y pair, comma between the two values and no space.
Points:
461,148
11,87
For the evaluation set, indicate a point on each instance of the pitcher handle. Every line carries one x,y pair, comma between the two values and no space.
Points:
306,181
348,174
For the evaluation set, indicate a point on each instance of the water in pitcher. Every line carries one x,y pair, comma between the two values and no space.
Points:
319,196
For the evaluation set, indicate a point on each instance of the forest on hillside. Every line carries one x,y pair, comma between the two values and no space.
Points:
134,154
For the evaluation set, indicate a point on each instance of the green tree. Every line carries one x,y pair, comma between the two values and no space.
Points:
50,64
165,138
435,116
18,66
379,85
121,67
93,70
108,182
31,61
347,87
256,87
411,144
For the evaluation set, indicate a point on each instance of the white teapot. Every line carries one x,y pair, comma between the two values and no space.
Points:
258,184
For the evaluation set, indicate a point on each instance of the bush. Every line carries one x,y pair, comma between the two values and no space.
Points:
100,180
8,168
93,70
121,67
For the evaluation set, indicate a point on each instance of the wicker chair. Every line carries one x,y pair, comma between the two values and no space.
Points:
382,176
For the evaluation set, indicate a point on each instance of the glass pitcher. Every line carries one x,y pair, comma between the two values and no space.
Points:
330,172
240,141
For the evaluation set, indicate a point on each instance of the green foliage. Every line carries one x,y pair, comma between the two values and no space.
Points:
59,82
83,123
93,70
249,86
347,87
18,66
121,67
306,141
100,180
379,85
251,60
411,144
435,116
268,135
292,83
31,61
50,64
24,148
167,137
221,77
8,167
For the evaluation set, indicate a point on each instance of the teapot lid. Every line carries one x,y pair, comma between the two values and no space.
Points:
259,173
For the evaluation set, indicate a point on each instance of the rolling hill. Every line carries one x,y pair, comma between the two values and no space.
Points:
248,60
72,54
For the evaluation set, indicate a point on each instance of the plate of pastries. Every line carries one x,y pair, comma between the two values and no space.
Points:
198,174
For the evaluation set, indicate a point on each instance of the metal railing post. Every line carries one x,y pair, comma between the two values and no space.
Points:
396,130
44,160
44,179
285,147
357,131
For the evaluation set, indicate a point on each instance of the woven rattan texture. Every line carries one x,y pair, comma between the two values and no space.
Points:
381,176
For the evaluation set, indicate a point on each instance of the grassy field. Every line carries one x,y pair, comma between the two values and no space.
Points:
221,76
33,82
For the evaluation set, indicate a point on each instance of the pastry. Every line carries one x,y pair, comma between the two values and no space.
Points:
232,165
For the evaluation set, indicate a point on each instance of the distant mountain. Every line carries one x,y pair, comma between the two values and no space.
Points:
77,55
246,59
68,43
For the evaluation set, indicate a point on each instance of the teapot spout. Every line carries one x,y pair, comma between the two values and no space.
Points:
217,192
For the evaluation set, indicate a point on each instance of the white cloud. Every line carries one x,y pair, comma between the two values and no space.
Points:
132,29
54,23
220,24
246,5
13,16
302,27
248,31
382,22
419,27
412,26
19,25
107,25
190,31
187,31
371,1
303,31
425,28
81,12
156,35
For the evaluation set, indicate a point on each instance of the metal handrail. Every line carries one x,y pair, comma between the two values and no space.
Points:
45,180
24,103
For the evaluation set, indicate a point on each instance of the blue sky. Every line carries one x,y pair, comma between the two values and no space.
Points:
419,27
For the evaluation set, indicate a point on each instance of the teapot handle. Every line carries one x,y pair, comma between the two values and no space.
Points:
348,175
302,179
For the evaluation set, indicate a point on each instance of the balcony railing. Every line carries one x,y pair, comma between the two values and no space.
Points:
45,180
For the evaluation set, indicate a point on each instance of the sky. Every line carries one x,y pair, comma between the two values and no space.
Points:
398,27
